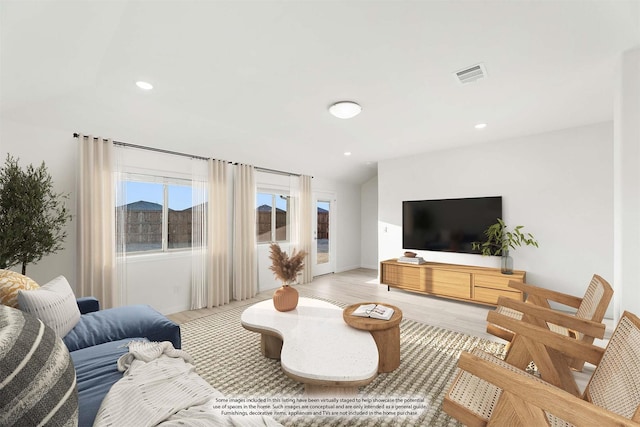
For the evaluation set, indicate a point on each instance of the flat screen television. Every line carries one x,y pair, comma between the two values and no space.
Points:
449,225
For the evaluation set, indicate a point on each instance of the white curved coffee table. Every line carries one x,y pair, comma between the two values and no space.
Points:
315,346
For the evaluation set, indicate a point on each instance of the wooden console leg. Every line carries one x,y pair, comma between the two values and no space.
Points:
270,346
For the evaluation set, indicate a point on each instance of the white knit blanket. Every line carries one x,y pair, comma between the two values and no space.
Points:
160,386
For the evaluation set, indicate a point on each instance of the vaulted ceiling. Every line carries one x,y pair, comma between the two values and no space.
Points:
251,81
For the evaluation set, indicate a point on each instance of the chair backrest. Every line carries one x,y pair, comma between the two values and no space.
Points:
615,383
596,300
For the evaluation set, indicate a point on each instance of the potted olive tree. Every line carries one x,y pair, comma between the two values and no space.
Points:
500,240
32,215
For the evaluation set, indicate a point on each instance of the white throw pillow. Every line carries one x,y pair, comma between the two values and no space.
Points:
54,303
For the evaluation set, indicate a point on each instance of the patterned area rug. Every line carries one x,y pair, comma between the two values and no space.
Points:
229,358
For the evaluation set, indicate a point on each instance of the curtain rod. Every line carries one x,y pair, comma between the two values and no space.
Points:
142,147
160,150
259,169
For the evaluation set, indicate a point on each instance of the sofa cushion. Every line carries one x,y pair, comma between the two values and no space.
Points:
88,304
118,323
37,377
54,303
97,370
10,283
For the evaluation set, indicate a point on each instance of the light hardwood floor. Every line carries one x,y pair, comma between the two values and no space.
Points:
362,284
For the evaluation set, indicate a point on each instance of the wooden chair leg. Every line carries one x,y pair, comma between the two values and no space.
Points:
513,411
462,414
518,354
553,366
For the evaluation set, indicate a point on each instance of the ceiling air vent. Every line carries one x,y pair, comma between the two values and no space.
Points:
471,74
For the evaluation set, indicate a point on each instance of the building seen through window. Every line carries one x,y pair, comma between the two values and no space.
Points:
157,216
272,217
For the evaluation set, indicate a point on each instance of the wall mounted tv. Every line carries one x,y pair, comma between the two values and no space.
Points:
448,225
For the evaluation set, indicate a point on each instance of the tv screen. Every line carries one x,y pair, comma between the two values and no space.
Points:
449,225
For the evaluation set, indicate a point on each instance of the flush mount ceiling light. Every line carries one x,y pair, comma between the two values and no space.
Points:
144,85
347,153
480,126
345,109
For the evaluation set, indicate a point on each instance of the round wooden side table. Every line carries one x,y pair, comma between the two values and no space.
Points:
386,334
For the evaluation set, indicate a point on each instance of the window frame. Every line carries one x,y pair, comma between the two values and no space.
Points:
165,181
275,193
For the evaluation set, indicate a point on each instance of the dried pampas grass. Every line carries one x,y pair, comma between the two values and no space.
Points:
284,267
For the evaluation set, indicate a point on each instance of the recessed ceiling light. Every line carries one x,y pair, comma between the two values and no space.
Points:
347,153
144,85
481,126
345,109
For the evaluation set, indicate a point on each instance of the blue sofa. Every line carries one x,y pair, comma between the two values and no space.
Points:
100,338
132,321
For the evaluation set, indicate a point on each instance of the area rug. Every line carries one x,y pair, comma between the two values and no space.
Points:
229,358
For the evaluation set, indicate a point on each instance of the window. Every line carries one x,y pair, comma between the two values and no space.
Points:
272,217
157,214
179,216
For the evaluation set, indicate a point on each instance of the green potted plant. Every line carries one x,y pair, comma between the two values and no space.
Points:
500,240
32,215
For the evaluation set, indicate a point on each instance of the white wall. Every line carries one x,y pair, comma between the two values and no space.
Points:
627,185
348,221
161,280
57,148
558,185
369,224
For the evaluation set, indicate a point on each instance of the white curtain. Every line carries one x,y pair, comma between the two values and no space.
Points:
121,224
301,208
245,268
96,222
218,234
210,279
198,243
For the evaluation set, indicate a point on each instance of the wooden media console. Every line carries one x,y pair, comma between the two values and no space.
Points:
481,285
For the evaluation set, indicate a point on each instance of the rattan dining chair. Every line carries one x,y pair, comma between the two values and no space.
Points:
592,306
489,391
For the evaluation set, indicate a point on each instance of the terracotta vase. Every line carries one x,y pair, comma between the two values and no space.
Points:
285,298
